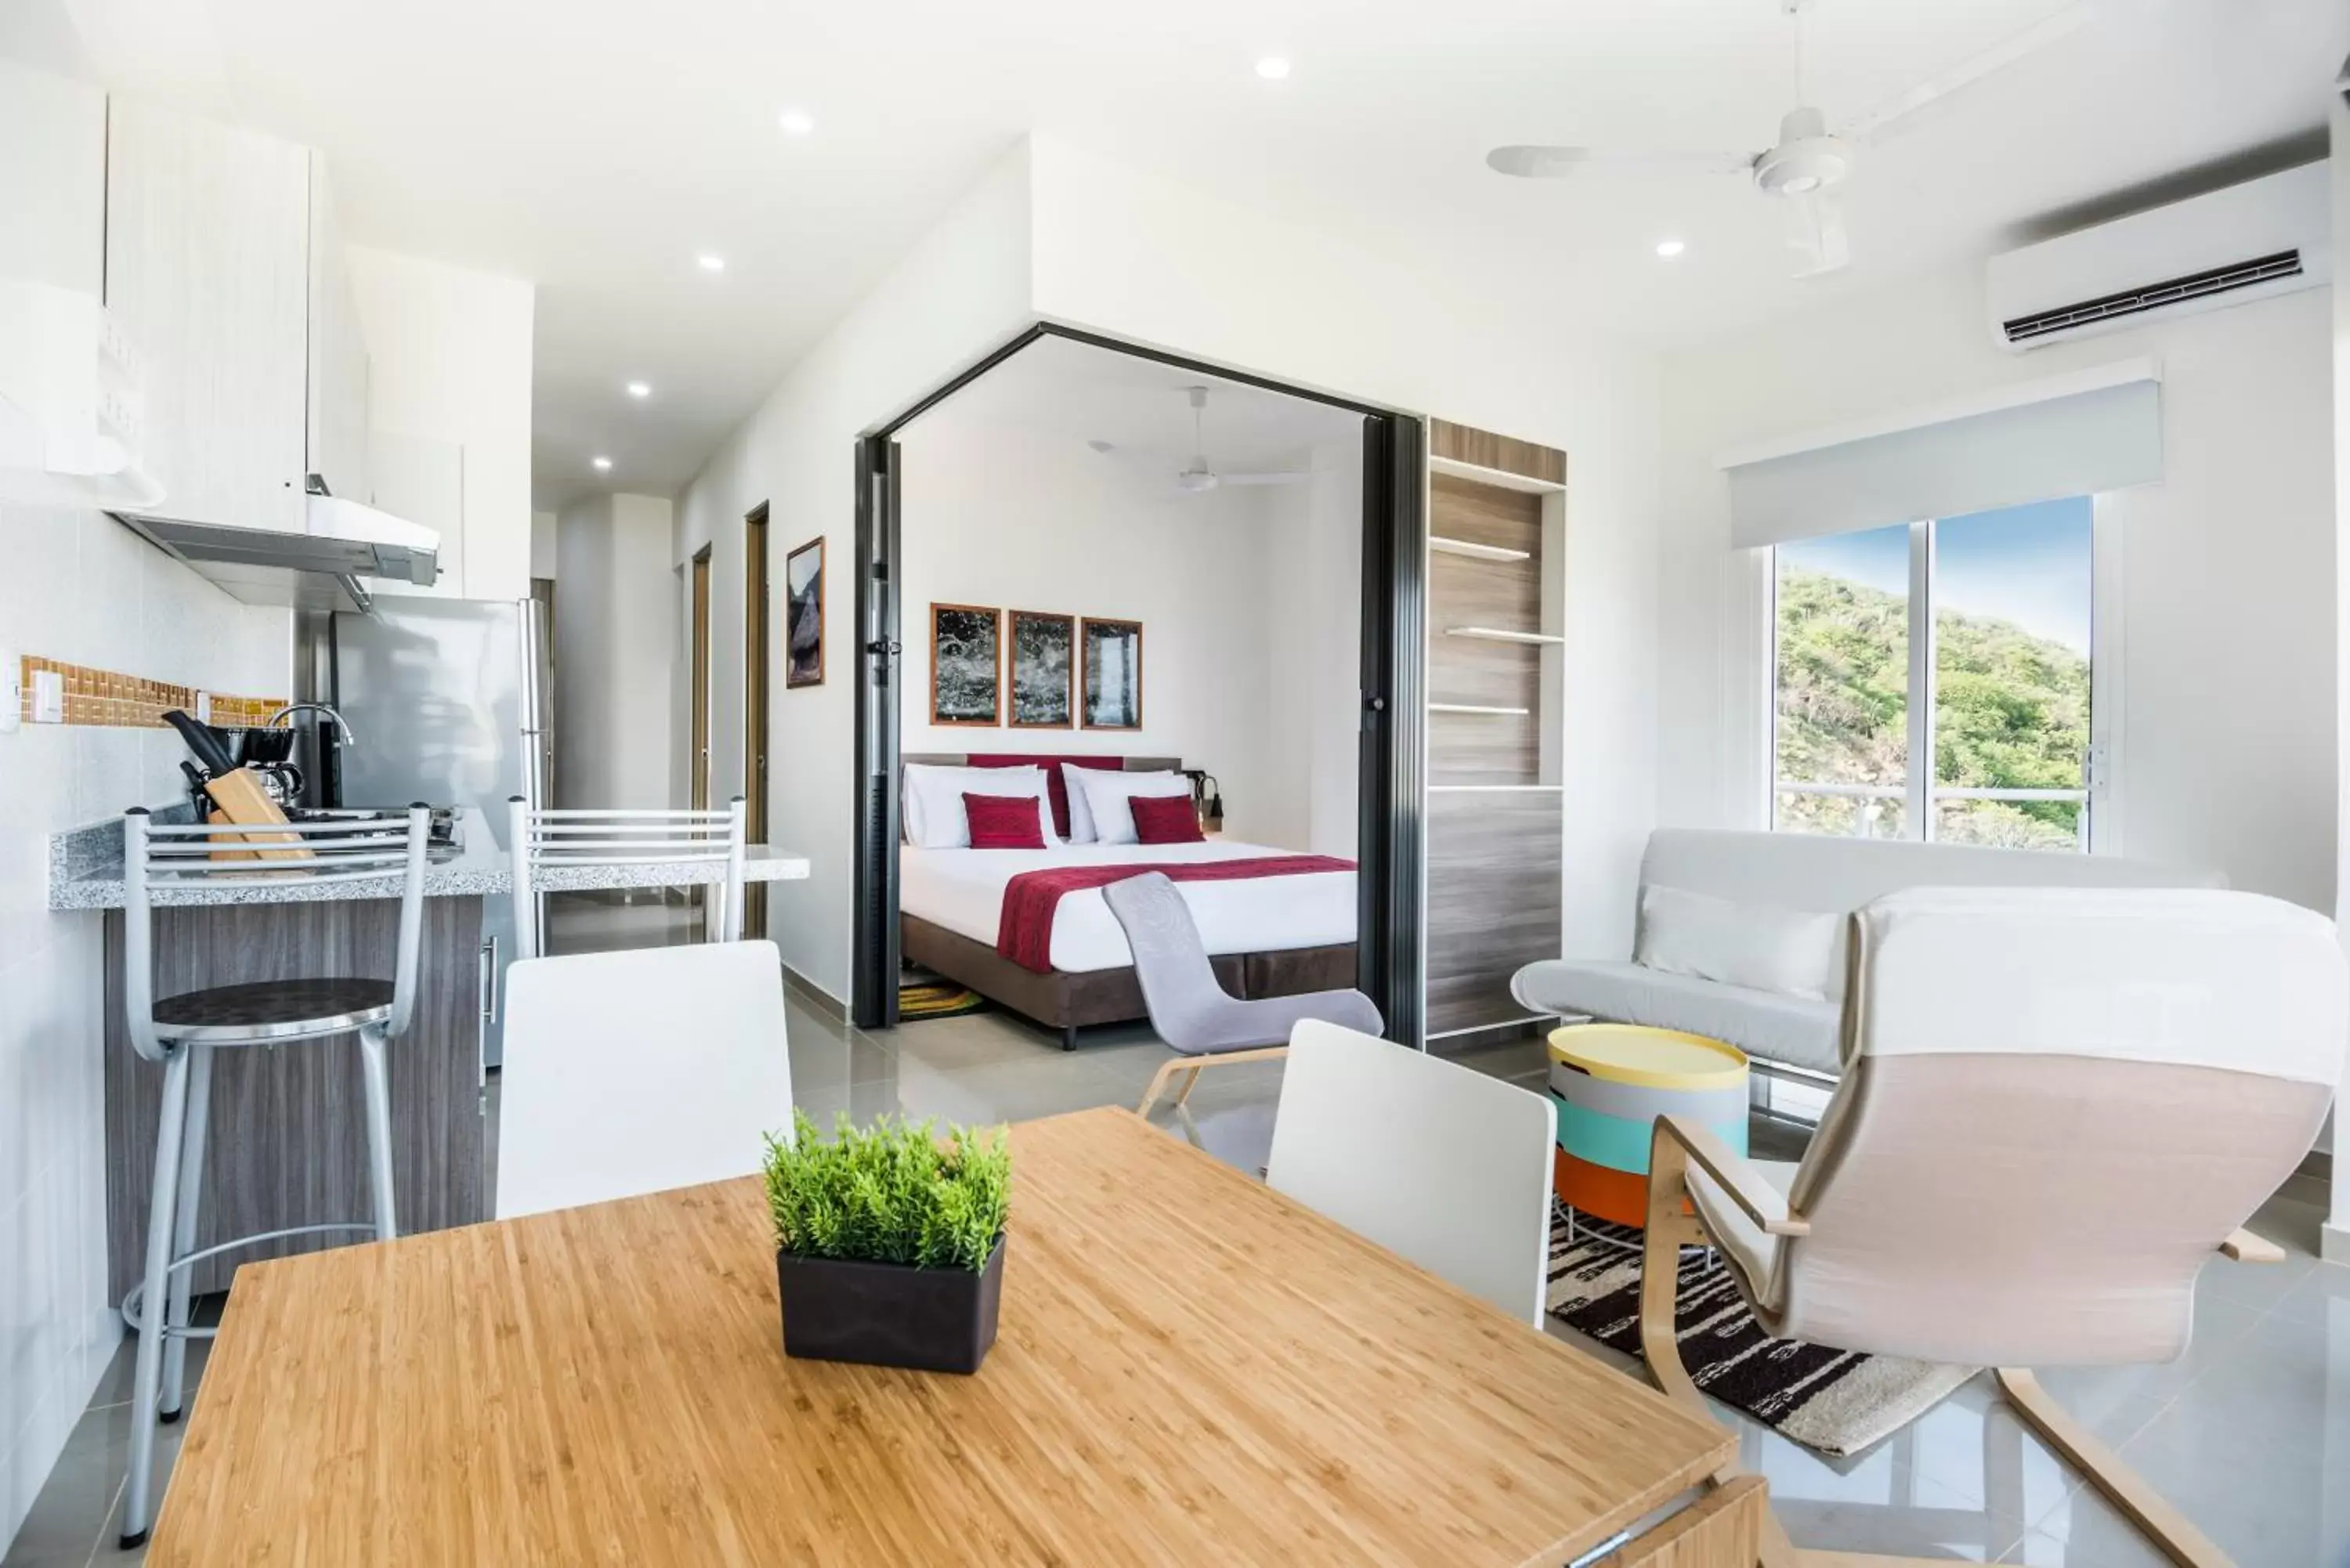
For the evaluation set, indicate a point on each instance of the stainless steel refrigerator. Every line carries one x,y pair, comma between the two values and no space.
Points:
449,701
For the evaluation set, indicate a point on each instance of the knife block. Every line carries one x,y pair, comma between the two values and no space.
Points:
239,797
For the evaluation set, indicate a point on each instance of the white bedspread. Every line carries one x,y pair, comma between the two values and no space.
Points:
962,890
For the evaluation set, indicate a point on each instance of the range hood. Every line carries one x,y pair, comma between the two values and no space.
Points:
323,567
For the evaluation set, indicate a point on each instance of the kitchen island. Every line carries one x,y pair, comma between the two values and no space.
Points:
288,1143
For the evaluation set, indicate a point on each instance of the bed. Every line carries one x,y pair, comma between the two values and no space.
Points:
1266,934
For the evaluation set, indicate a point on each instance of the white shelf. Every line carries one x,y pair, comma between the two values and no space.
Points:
1496,634
1475,708
1475,551
1495,476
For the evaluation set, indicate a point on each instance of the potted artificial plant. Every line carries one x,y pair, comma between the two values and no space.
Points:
890,1241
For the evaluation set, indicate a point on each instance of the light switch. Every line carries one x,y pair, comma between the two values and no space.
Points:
203,707
48,697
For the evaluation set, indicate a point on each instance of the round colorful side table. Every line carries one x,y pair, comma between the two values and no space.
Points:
1611,1082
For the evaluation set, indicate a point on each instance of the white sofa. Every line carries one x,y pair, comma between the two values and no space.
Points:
1790,871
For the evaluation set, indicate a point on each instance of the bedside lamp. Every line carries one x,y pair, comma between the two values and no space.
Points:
1207,796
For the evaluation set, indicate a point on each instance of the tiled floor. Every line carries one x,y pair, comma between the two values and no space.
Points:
2250,1433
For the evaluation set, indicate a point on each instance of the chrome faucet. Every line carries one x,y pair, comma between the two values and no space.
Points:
342,726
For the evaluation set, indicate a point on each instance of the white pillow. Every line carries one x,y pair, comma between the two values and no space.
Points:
1109,799
1081,817
1760,946
931,807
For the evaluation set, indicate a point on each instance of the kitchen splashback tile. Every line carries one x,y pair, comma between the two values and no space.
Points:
109,699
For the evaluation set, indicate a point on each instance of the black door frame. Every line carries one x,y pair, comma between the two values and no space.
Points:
1389,847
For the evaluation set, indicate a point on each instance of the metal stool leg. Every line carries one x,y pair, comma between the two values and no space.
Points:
163,1208
184,1242
379,1117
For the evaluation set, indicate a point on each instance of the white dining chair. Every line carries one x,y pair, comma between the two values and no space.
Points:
638,1071
544,842
1434,1161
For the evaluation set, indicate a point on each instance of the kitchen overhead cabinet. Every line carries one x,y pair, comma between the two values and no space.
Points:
224,274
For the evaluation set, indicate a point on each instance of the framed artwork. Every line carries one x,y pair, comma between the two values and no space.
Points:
1112,676
1044,671
966,664
803,615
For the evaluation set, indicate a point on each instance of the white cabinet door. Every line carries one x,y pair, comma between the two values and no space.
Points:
338,355
207,274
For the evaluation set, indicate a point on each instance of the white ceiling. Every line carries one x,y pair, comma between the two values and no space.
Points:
595,146
1080,393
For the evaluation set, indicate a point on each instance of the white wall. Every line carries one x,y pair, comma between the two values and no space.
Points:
1155,261
79,587
1026,519
616,640
960,291
2223,588
450,361
1313,605
542,545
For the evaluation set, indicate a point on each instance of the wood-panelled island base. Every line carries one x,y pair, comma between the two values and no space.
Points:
1189,1369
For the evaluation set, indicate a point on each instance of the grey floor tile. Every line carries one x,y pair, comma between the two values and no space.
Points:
2110,1543
2256,1448
974,1039
62,1530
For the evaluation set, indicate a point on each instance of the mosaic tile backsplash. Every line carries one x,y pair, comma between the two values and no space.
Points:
130,702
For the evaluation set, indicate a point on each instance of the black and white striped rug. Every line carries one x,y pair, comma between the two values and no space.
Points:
1837,1401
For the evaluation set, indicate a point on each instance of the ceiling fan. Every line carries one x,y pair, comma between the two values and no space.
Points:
1810,166
1198,478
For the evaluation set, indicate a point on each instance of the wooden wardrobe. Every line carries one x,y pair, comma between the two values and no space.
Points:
1497,526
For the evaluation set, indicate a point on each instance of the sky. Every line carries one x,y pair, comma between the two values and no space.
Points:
2029,564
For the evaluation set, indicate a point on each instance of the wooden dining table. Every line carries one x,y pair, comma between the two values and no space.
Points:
1191,1368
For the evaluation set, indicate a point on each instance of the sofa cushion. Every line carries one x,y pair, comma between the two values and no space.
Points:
1832,874
1802,1031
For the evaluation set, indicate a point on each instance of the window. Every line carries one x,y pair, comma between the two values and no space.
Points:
1932,679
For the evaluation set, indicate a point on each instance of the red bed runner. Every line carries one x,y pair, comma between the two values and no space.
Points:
1025,931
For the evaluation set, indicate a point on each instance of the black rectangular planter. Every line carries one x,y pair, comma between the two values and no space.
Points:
889,1315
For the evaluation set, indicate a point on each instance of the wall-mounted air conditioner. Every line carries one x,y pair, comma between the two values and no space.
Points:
2266,237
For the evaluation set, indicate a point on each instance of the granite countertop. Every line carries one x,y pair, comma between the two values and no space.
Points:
85,872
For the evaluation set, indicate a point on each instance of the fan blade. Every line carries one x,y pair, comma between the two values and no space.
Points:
1874,122
1558,163
1263,478
1816,232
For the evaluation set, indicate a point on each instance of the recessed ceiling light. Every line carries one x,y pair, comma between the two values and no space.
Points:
641,389
603,465
712,262
1670,248
795,122
1273,68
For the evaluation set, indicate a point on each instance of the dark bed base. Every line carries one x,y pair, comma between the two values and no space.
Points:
1069,1002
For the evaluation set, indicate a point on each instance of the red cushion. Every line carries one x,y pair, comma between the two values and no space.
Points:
1165,819
1005,821
1056,783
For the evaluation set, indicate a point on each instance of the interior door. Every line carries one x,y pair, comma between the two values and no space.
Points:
756,654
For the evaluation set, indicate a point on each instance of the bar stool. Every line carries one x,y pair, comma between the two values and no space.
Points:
540,839
161,865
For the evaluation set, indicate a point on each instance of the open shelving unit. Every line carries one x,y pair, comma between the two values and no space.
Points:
1495,610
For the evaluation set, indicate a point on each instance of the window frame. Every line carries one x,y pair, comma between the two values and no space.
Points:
1920,795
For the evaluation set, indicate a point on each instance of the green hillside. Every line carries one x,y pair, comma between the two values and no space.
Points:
2015,712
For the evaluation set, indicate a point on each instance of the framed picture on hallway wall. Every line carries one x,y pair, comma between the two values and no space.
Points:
966,664
803,615
1044,671
1112,677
